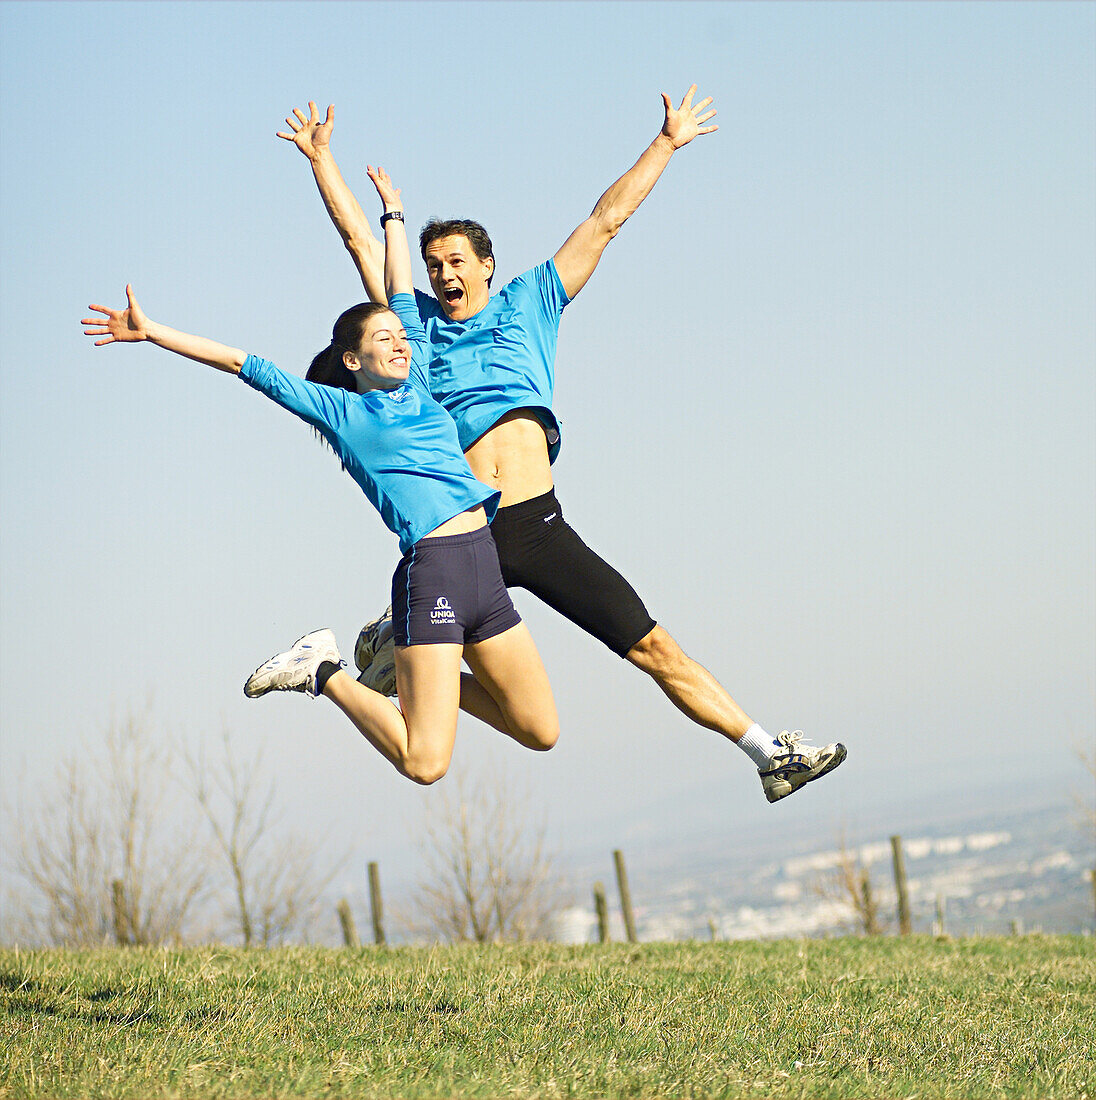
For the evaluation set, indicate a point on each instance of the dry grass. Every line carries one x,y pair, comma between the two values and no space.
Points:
842,1018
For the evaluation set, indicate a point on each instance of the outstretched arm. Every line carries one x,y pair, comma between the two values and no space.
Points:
397,252
581,252
130,326
313,138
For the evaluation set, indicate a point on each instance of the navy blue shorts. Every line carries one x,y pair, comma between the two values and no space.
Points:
449,589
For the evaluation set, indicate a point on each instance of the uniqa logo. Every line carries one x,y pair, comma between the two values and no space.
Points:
442,612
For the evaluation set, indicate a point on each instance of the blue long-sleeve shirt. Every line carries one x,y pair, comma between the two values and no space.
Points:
399,445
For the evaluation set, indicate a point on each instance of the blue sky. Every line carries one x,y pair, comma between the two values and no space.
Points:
828,402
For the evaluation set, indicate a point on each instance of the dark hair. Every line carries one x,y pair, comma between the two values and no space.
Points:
328,368
472,231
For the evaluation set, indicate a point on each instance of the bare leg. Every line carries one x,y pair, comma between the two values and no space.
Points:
688,685
476,701
417,737
510,690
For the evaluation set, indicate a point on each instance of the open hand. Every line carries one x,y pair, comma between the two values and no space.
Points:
685,123
310,135
123,326
382,181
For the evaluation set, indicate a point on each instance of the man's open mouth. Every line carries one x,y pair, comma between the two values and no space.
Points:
453,295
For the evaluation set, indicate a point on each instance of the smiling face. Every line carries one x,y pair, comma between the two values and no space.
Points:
458,276
383,358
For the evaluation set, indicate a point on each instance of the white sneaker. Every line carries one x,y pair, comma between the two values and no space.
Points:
381,674
795,764
371,637
296,668
375,655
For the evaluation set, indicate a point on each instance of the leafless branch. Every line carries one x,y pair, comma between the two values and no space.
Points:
850,884
488,874
108,818
276,881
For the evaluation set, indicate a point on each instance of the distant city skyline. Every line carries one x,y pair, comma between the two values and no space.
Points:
1018,859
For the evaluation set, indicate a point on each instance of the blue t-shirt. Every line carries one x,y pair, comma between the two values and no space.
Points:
501,359
399,445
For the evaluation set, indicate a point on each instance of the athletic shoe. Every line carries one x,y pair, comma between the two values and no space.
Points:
375,655
795,764
296,668
381,674
371,638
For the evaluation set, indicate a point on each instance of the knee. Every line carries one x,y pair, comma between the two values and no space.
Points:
655,652
544,737
424,769
533,731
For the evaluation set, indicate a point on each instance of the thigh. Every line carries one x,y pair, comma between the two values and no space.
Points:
509,668
573,580
428,682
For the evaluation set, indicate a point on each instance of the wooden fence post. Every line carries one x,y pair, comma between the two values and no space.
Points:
868,906
346,919
625,896
602,907
900,886
375,903
938,927
118,911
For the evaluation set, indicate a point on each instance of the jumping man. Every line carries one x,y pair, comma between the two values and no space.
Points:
492,366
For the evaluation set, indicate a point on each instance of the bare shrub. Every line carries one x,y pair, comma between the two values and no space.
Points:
103,852
850,885
489,876
276,878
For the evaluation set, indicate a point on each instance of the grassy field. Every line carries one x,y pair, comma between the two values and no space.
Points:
1009,1017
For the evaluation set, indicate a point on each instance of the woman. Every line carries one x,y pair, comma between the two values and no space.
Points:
367,394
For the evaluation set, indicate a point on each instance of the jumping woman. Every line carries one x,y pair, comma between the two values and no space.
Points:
367,394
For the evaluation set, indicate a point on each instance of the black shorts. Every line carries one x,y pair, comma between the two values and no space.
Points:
449,589
538,551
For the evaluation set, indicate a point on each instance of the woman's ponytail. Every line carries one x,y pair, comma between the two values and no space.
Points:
328,369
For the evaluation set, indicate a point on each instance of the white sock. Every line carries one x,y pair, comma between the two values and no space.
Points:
758,745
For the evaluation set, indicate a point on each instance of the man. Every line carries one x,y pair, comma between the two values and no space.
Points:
493,370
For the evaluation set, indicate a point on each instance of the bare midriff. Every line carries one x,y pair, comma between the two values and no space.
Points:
472,520
513,458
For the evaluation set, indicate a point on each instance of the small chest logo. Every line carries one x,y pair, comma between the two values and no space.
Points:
442,613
